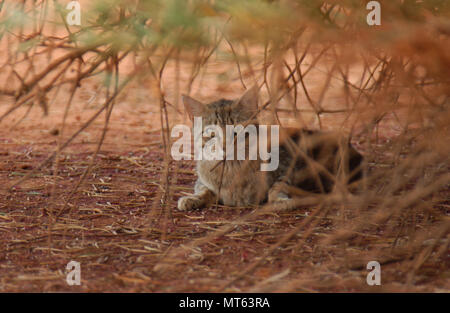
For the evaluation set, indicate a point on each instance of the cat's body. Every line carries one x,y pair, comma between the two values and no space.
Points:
309,161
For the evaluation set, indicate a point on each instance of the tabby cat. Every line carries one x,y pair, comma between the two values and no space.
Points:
309,161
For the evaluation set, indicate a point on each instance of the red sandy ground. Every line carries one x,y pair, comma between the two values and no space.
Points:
114,226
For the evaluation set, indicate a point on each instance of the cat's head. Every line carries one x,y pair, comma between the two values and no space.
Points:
214,132
225,112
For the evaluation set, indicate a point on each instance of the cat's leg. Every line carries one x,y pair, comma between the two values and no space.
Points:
203,197
278,192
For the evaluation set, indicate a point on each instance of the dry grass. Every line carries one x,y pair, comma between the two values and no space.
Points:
86,172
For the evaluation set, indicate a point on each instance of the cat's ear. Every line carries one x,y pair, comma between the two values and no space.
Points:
249,100
193,107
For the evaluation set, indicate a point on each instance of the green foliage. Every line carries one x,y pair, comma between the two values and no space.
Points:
123,25
14,18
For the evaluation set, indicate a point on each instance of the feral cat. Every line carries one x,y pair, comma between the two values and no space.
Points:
309,161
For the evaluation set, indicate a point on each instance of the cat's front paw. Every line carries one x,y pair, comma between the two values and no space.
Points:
281,201
190,203
278,197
